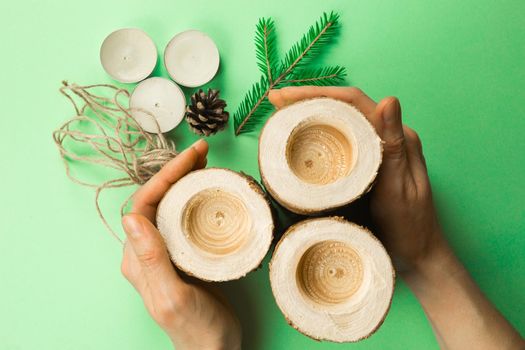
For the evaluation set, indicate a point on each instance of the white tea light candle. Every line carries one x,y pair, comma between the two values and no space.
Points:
128,55
157,104
191,58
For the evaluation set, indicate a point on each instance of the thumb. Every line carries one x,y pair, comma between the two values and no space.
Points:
389,113
150,250
394,168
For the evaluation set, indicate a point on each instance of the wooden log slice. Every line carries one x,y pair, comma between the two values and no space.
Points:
332,279
217,224
318,155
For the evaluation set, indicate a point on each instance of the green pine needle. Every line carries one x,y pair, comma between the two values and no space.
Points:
320,34
266,48
255,105
319,76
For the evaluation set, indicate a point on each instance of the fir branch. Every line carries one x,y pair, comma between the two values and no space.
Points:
266,48
255,104
320,76
321,33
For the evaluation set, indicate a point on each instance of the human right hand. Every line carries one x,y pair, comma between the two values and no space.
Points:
401,203
403,212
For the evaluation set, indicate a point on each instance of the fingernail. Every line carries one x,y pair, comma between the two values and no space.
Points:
391,112
132,227
388,115
197,142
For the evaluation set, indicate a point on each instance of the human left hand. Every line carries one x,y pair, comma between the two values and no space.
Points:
193,314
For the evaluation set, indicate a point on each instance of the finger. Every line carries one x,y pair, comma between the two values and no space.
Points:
130,267
146,199
390,130
151,254
415,155
394,170
201,164
202,150
285,96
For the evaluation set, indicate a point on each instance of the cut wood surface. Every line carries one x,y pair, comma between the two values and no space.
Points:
332,279
217,224
318,155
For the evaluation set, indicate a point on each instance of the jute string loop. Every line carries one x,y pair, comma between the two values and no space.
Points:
114,139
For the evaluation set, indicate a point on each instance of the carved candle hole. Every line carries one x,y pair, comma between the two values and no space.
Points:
319,154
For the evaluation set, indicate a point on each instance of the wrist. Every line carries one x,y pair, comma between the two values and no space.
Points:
437,265
231,342
219,346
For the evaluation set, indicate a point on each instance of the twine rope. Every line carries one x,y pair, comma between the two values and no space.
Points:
115,140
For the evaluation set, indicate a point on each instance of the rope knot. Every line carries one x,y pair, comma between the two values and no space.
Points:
103,123
150,162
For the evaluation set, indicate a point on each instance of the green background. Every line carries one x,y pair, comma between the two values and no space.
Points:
458,68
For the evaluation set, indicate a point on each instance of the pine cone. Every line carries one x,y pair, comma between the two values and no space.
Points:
206,115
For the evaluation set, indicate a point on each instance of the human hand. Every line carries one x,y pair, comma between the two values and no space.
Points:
192,314
403,212
401,203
